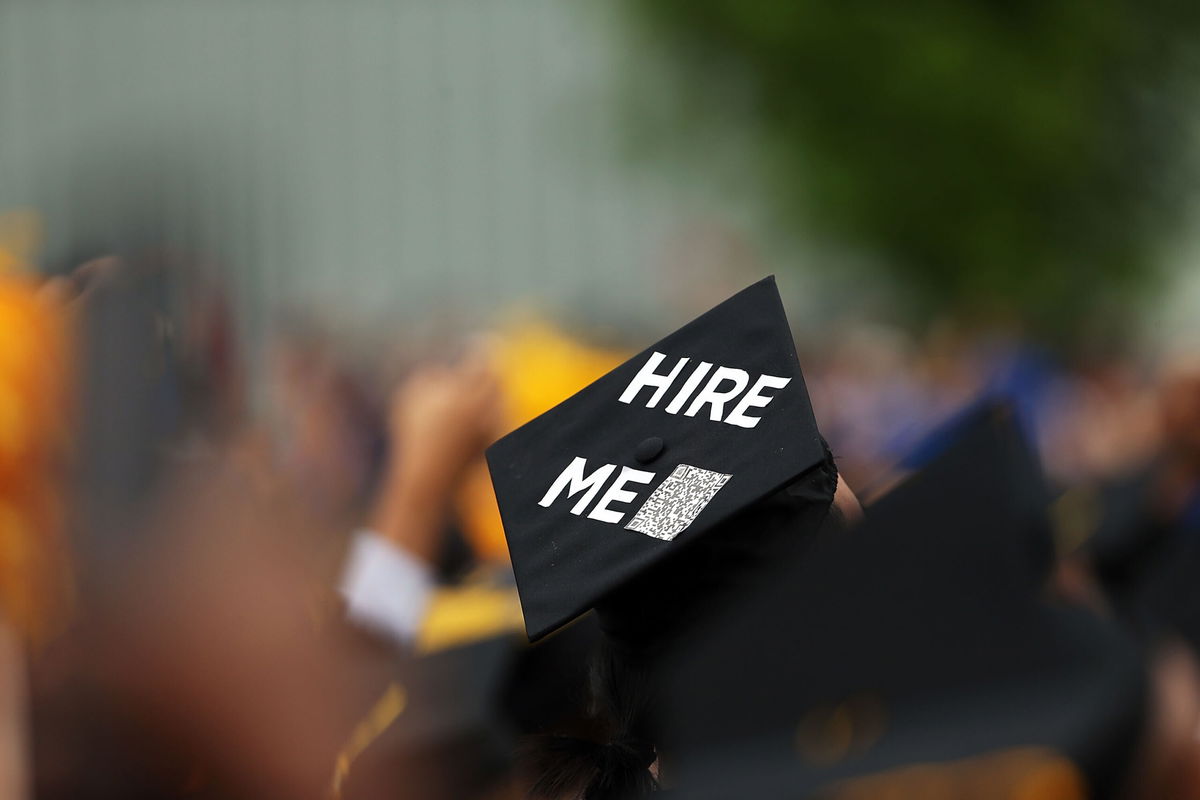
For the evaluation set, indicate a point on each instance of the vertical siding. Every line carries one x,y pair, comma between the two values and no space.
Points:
375,156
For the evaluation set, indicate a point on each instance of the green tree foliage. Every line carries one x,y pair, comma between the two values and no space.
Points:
1025,155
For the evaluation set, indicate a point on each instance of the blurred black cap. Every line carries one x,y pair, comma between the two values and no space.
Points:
987,446
679,439
447,723
914,651
436,730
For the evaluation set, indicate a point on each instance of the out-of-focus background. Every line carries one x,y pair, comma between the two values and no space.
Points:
921,179
318,199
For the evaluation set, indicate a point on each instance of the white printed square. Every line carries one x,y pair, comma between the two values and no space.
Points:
677,501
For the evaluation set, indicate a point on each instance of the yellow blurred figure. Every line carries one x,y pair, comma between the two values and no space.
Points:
539,366
34,370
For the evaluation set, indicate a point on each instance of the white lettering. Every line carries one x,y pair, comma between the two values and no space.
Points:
688,387
755,399
618,494
648,377
573,475
722,388
710,395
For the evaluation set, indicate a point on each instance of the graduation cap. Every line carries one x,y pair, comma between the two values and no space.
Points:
987,443
668,446
910,651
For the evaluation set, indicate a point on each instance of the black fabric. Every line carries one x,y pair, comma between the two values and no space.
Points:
923,629
1147,562
564,562
1128,535
649,612
989,447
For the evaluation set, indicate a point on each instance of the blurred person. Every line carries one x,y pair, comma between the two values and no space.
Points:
1129,540
483,686
151,618
161,600
36,582
1102,421
200,670
325,433
200,641
441,418
1148,517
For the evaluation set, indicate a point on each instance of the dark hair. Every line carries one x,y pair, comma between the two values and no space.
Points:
614,763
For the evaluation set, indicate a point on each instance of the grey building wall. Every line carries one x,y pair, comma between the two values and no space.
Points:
380,157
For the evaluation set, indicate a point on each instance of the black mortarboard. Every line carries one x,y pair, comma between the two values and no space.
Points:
916,639
986,444
669,445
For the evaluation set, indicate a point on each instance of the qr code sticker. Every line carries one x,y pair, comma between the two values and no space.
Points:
677,501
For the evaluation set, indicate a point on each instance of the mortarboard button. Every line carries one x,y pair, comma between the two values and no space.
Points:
648,450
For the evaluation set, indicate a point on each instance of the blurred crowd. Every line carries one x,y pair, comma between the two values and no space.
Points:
191,554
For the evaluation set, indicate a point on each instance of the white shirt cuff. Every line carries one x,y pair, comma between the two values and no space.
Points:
386,589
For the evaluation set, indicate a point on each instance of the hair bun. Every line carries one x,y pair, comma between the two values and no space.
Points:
639,752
